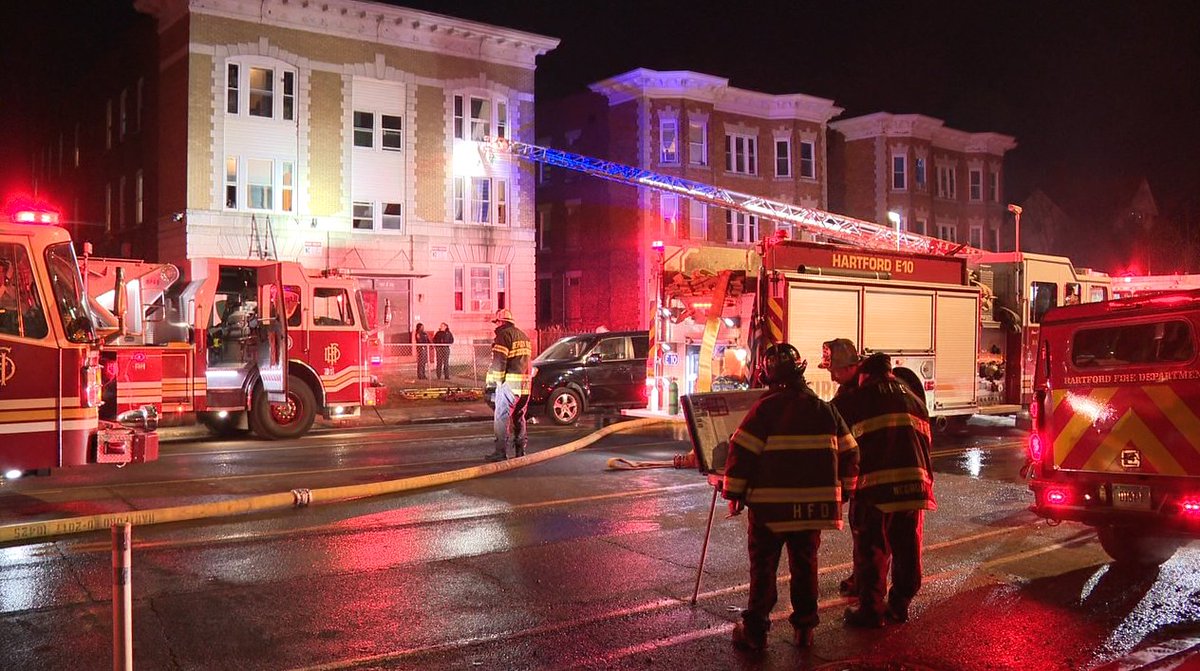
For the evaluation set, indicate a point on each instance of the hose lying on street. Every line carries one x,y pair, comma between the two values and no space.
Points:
298,498
686,460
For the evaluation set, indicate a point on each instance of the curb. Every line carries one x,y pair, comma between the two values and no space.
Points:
169,434
1163,656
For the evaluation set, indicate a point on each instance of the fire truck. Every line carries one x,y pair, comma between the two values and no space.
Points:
50,386
974,354
1114,441
246,344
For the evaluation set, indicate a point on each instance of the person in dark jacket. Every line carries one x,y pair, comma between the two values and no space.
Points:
894,489
840,357
421,337
442,341
791,461
510,376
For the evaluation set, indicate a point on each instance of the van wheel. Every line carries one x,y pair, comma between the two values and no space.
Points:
564,406
221,428
291,419
1127,545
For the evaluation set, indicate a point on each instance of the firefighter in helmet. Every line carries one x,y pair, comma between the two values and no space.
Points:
789,442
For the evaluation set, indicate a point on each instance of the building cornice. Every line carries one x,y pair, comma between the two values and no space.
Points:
700,87
921,127
370,22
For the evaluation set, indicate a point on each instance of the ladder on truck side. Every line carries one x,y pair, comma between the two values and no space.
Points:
835,227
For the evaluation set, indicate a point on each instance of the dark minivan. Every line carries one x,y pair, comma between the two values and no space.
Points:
594,370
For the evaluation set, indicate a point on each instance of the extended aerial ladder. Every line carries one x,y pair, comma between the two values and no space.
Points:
835,227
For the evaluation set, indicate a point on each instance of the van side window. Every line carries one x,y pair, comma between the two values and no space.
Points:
641,346
1133,344
1042,297
613,349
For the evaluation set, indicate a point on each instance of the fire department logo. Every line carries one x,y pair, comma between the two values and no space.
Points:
1131,459
332,353
8,367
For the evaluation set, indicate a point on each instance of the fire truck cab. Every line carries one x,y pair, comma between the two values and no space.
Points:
1116,439
49,365
246,344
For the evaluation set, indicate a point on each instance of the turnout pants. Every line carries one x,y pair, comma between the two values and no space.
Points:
886,540
508,420
765,547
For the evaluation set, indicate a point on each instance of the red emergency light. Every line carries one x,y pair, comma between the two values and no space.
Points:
35,217
1056,497
1035,446
1190,507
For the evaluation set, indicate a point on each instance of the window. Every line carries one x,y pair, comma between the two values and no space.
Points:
899,176
259,192
363,216
138,199
479,288
995,240
331,307
479,200
481,113
487,117
460,199
976,237
287,186
976,186
543,229
289,96
21,312
994,187
808,159
697,220
231,182
919,173
946,188
948,232
783,158
231,89
1157,342
545,302
741,228
458,117
1097,294
1042,297
262,92
501,202
917,226
741,154
364,128
698,143
392,135
613,349
669,208
123,116
392,219
668,130
501,120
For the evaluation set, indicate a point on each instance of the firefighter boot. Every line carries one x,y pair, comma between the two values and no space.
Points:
747,640
499,454
519,449
863,618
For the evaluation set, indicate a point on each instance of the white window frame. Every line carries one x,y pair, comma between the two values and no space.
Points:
468,299
265,190
364,129
994,187
370,126
947,188
231,181
975,175
740,228
808,159
697,220
465,208
668,141
362,211
287,186
948,232
976,239
542,234
919,172
741,154
921,226
375,216
467,126
668,209
279,190
698,151
784,161
238,92
899,172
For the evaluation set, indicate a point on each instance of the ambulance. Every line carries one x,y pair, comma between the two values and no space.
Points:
50,386
1116,422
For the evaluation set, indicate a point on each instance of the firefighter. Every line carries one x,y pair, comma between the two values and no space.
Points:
510,377
840,357
894,489
792,461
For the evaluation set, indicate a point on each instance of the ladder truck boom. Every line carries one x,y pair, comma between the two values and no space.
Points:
836,227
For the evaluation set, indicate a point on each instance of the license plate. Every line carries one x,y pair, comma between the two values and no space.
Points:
1131,496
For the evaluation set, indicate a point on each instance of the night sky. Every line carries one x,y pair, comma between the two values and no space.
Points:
1096,93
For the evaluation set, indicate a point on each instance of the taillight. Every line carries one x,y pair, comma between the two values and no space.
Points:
1191,507
1035,446
1056,497
90,386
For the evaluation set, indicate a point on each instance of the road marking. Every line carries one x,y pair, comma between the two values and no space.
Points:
983,448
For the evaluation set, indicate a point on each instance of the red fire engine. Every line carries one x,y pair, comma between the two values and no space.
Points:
211,352
1114,441
49,363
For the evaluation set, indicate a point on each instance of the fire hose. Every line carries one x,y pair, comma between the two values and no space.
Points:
686,460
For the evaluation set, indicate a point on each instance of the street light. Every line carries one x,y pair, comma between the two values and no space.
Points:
894,217
1016,210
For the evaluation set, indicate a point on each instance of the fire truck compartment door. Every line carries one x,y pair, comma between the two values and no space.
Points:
272,346
816,313
955,365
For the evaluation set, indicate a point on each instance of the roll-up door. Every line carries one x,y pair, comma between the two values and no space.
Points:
955,368
820,313
897,320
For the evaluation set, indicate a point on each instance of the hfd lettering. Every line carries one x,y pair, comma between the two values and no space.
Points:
812,511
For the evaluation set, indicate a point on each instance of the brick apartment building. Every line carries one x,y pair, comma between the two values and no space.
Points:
596,264
347,130
942,182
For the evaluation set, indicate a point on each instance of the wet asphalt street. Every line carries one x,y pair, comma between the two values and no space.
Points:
559,565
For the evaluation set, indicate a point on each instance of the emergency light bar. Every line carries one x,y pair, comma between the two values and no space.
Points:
35,217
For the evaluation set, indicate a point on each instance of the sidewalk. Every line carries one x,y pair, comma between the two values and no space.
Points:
426,408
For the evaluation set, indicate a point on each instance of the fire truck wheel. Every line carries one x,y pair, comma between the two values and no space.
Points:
1127,545
220,427
564,406
277,421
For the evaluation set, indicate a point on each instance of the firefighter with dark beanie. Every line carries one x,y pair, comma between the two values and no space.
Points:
894,489
791,461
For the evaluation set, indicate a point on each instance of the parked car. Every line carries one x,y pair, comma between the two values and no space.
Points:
590,371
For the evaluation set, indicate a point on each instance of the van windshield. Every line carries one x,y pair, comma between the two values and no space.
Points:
567,349
1133,344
